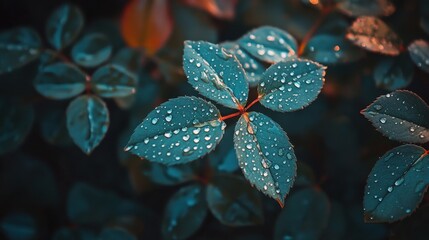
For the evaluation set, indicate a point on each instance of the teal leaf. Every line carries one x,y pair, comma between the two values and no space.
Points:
92,50
15,124
185,213
223,158
332,49
374,35
265,155
215,73
19,226
269,44
396,184
60,81
87,121
419,52
18,47
88,205
357,8
129,58
291,85
169,175
113,80
393,73
401,116
178,131
305,216
252,66
233,202
64,26
53,127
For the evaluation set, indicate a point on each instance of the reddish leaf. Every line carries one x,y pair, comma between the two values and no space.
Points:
147,24
224,9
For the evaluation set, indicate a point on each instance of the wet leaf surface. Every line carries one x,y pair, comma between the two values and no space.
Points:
265,155
419,52
396,184
374,35
401,116
291,85
215,73
178,131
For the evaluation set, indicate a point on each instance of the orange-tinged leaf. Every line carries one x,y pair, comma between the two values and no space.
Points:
146,24
224,9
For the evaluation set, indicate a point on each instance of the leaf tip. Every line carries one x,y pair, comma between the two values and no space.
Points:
280,202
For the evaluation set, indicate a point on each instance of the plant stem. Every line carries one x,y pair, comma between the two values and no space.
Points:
325,12
223,118
253,103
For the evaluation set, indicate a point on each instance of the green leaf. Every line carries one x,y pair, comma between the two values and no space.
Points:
18,47
168,175
269,44
185,213
87,121
291,85
396,184
305,216
64,26
178,131
419,52
401,116
374,35
332,49
252,66
215,73
113,80
233,202
356,8
92,50
265,155
394,73
15,124
60,81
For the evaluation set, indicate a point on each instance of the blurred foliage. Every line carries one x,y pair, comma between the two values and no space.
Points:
102,68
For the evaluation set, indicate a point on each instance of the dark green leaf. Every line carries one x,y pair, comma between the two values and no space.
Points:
168,175
304,216
15,123
60,81
129,58
92,50
18,47
401,116
332,49
269,44
223,158
178,131
114,80
291,85
394,73
73,234
87,121
252,66
396,184
419,52
233,202
265,155
374,35
89,205
215,73
53,127
64,26
185,213
366,7
19,226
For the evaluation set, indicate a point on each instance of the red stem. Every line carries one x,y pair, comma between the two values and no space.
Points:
325,12
223,118
253,103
